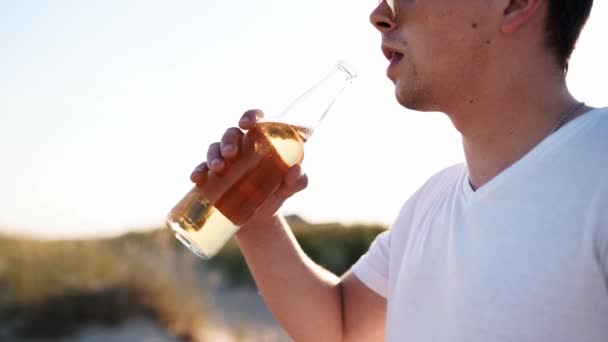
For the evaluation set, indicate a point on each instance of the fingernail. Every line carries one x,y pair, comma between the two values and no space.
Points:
216,162
199,168
227,148
245,119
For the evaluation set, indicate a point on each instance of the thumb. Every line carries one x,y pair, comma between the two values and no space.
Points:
295,181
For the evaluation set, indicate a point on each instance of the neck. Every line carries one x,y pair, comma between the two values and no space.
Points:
500,129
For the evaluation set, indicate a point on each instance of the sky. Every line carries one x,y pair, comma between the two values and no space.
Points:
107,106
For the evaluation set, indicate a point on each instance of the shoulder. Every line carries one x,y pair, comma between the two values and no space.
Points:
599,125
448,176
585,144
593,125
447,180
442,186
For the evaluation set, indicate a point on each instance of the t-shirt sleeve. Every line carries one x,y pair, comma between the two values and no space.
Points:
372,267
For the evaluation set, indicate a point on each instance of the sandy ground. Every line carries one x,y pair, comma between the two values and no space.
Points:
237,314
138,329
241,312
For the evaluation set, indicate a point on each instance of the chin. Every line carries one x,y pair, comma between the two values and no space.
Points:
409,99
414,97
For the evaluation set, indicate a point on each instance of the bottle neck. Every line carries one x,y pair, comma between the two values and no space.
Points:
310,108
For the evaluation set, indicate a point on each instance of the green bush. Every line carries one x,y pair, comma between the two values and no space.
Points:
336,247
49,289
333,246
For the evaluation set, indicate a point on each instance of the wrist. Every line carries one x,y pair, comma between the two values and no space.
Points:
259,225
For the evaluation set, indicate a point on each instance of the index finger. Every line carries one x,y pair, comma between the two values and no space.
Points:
249,118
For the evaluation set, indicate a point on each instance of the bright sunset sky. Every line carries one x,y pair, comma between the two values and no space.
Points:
107,106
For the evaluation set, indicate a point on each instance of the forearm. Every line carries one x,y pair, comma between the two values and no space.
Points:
304,297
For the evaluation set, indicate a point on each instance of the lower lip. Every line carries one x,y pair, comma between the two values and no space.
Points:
394,62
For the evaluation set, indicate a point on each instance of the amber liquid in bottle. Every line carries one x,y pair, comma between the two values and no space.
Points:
209,215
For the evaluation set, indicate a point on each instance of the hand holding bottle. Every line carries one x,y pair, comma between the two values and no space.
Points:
250,173
221,155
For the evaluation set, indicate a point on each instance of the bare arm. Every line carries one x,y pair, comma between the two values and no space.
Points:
364,311
310,302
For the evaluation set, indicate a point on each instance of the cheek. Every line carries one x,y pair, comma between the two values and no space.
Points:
447,47
436,54
450,29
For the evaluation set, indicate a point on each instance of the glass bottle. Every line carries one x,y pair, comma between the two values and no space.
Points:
209,215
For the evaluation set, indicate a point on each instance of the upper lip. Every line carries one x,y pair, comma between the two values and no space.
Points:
389,51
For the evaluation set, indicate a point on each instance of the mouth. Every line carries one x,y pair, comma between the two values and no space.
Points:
392,54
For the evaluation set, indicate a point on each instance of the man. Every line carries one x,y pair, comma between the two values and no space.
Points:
512,246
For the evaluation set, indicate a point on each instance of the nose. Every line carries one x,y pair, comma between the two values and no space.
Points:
383,18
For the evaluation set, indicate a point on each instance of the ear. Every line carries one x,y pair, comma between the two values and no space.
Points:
518,12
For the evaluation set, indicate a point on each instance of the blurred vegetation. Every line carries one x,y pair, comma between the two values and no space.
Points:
51,289
332,245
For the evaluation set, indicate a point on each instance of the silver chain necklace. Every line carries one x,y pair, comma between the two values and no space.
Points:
564,117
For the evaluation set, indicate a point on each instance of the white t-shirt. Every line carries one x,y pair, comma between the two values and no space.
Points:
523,258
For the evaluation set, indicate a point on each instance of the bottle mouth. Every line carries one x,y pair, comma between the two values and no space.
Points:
348,69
